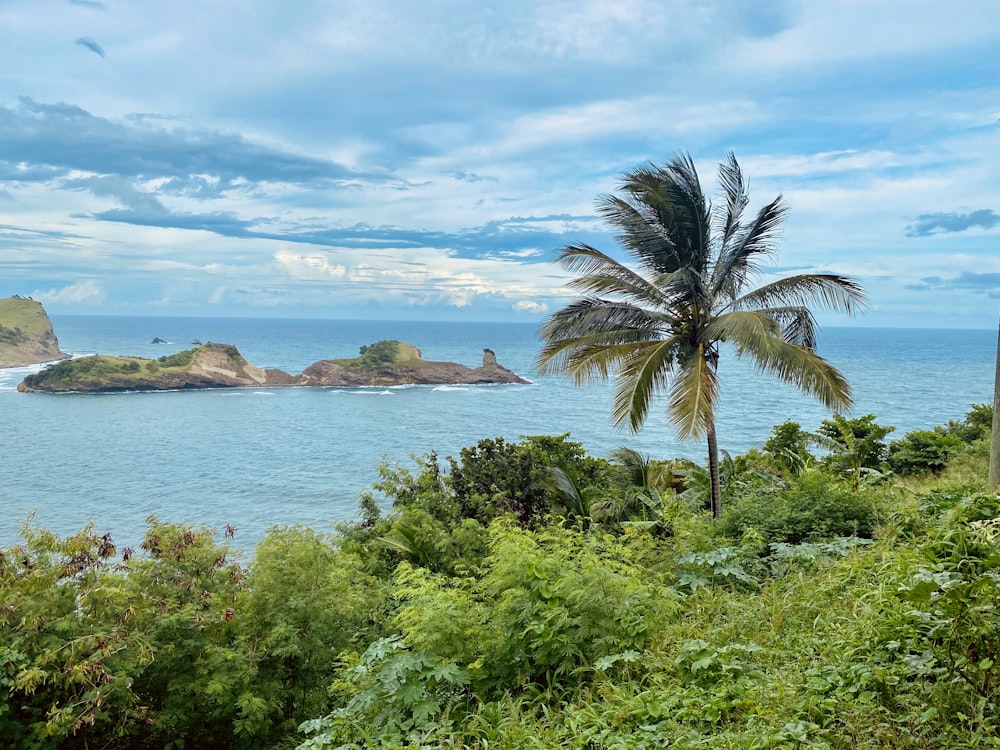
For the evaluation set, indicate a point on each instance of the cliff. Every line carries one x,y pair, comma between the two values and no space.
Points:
26,336
222,366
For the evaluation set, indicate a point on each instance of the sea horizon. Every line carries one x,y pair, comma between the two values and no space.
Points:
265,456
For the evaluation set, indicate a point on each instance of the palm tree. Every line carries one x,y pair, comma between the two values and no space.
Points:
659,326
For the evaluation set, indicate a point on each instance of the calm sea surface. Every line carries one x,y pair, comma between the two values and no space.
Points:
255,458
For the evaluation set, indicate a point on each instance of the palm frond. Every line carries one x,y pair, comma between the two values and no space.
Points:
589,337
745,329
798,326
800,367
599,274
736,193
637,465
829,290
739,255
662,216
795,325
645,373
693,395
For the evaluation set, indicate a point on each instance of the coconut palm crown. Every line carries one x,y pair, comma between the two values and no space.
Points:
657,324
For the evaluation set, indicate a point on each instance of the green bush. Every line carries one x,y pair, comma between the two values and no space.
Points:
812,506
921,451
977,425
380,353
178,360
546,604
788,448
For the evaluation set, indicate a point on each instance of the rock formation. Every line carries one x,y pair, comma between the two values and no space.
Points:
26,336
385,363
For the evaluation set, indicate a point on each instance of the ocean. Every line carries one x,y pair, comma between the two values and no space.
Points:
272,456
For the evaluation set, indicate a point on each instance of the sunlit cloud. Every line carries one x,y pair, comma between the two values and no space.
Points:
530,306
87,292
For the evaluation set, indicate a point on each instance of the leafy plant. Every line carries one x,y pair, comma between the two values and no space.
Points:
811,507
394,696
920,451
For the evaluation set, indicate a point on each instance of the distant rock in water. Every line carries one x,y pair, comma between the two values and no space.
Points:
26,335
211,365
158,340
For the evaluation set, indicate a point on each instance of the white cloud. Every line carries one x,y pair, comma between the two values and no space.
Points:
88,292
313,266
530,306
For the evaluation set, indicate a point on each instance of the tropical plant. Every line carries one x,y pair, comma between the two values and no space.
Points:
920,451
857,446
660,327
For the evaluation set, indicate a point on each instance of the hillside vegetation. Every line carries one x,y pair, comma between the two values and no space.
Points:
101,371
385,352
528,595
26,335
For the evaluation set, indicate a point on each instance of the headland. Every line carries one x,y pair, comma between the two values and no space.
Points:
26,335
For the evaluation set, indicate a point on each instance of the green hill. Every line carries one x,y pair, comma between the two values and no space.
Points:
26,335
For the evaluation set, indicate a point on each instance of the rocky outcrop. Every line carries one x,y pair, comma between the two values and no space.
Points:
414,370
222,366
26,336
208,366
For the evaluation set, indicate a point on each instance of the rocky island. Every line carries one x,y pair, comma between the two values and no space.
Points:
384,363
26,336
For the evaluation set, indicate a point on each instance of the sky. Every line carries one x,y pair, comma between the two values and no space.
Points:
427,159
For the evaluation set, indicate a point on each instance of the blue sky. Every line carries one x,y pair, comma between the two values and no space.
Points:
426,160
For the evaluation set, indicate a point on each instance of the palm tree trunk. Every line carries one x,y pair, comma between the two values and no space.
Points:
995,437
713,472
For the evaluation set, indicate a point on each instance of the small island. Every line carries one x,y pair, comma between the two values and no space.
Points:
26,335
384,363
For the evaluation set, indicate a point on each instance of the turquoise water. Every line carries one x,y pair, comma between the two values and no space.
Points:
254,458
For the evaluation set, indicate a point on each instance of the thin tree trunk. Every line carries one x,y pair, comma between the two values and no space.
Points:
995,438
713,472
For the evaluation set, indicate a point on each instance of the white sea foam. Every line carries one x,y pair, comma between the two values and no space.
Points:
449,388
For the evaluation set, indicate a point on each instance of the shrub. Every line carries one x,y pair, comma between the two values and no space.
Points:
547,603
977,425
180,359
496,477
857,445
920,451
788,448
380,353
811,507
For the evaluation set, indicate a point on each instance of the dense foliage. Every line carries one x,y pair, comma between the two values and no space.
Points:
525,594
382,352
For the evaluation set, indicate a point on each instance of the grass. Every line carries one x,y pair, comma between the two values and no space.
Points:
24,315
97,370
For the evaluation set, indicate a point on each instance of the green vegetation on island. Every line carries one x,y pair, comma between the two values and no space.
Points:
526,594
385,352
26,335
222,366
206,366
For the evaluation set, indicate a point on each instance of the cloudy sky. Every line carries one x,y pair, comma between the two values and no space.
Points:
426,159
